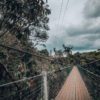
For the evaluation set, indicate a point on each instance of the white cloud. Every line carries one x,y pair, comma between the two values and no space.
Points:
97,44
80,28
92,9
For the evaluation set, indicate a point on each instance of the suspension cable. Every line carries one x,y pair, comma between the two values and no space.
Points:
34,92
13,94
54,71
65,10
21,80
60,11
34,77
22,51
91,62
90,72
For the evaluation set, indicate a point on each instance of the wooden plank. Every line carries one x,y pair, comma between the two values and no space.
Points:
74,88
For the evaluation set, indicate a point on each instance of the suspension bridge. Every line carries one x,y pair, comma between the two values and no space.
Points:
73,87
67,83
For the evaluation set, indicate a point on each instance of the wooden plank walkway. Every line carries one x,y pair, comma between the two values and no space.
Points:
74,88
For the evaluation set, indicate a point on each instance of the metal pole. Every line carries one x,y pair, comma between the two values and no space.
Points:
45,85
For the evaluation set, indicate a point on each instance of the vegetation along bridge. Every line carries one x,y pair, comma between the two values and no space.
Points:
74,87
30,73
64,83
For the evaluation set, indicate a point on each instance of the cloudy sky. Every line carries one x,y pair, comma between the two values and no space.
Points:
79,24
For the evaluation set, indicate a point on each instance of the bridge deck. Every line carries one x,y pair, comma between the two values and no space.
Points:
74,88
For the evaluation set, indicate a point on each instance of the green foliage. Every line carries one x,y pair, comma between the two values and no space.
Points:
21,21
67,49
44,52
22,17
2,55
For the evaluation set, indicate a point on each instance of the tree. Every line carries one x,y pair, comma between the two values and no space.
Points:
58,53
23,25
24,18
98,50
67,49
44,52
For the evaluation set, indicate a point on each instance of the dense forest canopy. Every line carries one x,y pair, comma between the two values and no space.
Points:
24,19
23,26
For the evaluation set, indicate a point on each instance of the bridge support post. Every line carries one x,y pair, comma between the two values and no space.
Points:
45,84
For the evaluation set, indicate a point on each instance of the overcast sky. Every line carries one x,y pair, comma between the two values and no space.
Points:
79,27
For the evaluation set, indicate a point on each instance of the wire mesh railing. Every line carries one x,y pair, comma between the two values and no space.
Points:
56,80
34,88
92,81
27,89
